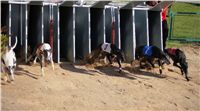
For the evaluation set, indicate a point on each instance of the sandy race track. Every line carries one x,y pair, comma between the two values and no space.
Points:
77,87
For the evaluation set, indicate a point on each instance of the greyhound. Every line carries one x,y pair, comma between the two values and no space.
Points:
43,52
9,61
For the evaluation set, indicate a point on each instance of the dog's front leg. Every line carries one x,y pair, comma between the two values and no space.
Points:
34,62
186,75
160,66
109,58
142,60
52,64
184,68
12,76
11,72
4,74
150,61
42,65
119,63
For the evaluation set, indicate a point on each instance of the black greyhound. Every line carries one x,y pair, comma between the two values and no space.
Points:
149,54
178,56
107,50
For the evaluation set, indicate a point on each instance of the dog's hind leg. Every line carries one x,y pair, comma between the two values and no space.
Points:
175,64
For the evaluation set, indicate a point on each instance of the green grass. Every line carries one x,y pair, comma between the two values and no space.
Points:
186,26
185,7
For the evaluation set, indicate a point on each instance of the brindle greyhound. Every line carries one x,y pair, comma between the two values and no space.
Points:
43,52
107,50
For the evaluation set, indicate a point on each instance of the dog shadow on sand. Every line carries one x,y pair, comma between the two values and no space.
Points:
21,71
77,68
143,72
111,70
83,68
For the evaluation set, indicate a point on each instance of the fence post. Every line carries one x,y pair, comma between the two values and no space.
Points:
171,22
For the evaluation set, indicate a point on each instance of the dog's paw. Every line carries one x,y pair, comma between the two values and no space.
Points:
5,79
120,70
187,79
12,82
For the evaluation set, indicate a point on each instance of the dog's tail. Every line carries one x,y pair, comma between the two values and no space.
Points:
15,43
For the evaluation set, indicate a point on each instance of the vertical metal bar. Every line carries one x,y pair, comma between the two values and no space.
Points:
89,30
74,47
26,33
171,28
134,35
21,23
58,23
161,31
50,12
119,33
50,42
147,27
104,35
10,24
42,23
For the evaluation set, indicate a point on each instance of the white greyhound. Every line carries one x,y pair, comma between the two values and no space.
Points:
8,61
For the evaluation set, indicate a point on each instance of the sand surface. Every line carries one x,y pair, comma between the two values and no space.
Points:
80,87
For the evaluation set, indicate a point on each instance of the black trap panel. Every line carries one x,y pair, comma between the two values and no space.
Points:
4,14
110,25
127,33
46,23
141,25
18,26
155,36
34,26
67,45
82,37
56,41
18,23
97,27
